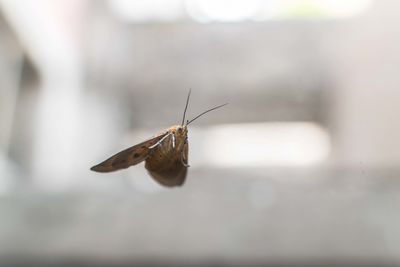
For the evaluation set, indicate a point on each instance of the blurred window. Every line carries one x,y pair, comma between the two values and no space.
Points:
289,144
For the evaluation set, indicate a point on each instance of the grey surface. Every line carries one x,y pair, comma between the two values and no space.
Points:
231,216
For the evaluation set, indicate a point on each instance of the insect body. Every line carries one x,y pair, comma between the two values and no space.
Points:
166,154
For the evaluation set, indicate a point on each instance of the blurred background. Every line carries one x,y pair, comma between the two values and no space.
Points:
301,168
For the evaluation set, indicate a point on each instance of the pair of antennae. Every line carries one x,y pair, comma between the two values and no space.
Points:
201,114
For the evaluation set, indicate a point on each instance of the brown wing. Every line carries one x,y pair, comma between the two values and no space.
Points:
128,157
172,179
173,171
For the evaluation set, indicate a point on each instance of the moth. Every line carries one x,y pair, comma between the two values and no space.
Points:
165,155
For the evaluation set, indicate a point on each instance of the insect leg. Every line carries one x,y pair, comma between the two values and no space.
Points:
173,140
159,142
183,160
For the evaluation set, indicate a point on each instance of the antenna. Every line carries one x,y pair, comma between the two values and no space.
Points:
187,103
198,116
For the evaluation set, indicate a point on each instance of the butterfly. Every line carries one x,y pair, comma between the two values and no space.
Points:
165,154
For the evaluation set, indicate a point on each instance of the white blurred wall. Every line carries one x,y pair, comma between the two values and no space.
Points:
49,32
367,97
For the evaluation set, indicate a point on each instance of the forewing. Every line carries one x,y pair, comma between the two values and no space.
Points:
128,157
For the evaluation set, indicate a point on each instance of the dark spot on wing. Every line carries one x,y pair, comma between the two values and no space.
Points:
136,155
